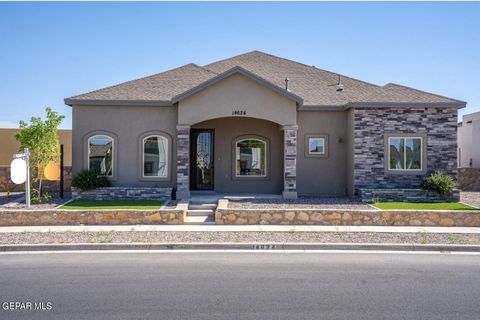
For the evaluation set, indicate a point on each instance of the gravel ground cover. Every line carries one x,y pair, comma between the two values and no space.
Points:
471,198
18,202
300,203
265,237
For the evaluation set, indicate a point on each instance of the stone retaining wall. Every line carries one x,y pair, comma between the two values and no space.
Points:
406,195
123,193
223,215
469,179
93,217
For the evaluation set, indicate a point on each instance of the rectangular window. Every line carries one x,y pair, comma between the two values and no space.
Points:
316,145
405,153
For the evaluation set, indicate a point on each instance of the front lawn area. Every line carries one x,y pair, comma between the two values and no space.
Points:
423,206
112,204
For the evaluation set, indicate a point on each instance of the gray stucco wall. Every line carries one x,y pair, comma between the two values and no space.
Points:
127,124
226,131
323,176
370,128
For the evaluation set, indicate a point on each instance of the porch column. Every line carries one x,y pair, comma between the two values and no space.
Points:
183,161
290,162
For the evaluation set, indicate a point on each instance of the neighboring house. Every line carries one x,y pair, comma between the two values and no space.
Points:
256,123
10,146
469,141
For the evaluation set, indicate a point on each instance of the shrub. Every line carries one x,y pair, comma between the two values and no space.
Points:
440,183
89,180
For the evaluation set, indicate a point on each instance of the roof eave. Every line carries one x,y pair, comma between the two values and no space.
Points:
97,102
241,71
382,105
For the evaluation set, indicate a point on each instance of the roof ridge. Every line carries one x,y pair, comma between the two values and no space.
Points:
138,79
422,91
312,67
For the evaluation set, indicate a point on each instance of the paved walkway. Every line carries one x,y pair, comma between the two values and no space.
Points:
246,228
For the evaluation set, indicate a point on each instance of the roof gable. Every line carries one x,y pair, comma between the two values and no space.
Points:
246,73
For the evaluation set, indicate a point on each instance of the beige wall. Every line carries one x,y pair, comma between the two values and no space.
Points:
237,92
9,145
323,176
226,130
127,124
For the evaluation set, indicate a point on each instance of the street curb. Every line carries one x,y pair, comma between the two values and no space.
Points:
242,246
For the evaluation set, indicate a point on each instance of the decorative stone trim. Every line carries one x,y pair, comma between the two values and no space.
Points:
95,217
290,164
469,179
183,158
345,217
123,193
406,195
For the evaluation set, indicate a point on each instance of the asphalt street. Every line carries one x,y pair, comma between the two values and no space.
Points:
240,286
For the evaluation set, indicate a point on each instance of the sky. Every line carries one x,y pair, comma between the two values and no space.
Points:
51,51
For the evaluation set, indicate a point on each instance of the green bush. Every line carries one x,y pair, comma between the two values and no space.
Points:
90,180
440,183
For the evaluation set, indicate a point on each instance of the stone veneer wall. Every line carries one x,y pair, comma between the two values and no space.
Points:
347,217
370,127
290,160
183,158
469,179
124,193
52,186
91,217
406,195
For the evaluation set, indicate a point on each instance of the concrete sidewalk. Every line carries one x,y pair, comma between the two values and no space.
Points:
243,228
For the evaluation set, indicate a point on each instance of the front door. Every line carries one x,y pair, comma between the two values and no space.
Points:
201,159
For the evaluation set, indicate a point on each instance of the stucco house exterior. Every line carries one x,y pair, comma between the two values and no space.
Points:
468,141
257,123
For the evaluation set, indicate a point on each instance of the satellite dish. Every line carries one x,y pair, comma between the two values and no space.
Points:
18,171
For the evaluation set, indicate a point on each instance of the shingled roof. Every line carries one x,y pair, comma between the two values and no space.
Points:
315,86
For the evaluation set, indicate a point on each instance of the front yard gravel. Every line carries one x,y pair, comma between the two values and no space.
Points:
236,237
300,203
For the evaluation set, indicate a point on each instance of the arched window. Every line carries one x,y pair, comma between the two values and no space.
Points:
251,158
155,157
100,154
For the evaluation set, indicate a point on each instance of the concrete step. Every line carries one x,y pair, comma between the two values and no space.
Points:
200,212
202,206
208,219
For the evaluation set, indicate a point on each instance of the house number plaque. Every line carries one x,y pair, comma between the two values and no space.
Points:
239,113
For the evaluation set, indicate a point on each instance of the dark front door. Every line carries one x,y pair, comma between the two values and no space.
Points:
201,159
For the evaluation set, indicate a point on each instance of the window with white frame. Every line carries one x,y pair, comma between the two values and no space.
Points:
405,153
155,157
251,156
100,154
316,146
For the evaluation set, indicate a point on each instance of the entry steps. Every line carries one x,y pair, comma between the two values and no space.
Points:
200,213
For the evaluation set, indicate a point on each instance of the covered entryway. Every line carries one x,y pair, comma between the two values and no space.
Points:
237,133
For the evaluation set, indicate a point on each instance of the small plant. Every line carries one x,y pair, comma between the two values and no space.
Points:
90,180
36,198
423,241
453,237
440,183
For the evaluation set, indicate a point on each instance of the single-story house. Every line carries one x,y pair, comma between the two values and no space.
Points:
257,123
